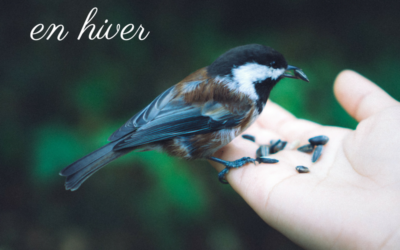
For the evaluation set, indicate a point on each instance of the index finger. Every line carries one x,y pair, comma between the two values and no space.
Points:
282,122
360,97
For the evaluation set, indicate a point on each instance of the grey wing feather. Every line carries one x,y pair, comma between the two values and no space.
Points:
179,118
83,168
144,116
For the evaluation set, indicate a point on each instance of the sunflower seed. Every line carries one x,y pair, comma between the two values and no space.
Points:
308,148
319,140
262,151
317,153
300,74
276,146
266,160
302,169
272,142
249,137
281,145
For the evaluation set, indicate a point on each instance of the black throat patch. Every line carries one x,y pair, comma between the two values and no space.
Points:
263,90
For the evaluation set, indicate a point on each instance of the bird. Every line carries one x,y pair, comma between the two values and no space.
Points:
199,115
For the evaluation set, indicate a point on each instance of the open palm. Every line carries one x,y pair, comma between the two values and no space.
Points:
351,197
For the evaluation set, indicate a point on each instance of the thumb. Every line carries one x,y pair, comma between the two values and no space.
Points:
360,97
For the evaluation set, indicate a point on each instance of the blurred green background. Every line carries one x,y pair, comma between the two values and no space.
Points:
61,100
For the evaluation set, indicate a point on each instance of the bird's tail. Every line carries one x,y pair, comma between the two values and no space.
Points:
82,169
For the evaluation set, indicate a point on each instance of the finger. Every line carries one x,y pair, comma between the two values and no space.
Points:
263,136
360,97
273,115
286,125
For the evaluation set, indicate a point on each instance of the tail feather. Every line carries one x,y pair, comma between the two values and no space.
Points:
85,167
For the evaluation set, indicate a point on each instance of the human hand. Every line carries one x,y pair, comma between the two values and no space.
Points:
351,197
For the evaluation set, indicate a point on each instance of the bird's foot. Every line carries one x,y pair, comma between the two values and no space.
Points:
230,164
221,176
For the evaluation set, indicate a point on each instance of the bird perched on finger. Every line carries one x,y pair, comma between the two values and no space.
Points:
199,115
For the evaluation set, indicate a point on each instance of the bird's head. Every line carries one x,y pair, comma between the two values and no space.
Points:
253,70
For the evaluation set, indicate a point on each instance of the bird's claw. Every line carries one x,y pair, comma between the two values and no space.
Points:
221,176
233,164
239,163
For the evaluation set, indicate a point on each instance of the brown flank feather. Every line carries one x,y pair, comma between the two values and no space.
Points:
204,92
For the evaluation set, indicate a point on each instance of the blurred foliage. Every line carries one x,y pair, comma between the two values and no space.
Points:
61,100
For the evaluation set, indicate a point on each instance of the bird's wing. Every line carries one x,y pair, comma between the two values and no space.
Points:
179,118
152,110
147,114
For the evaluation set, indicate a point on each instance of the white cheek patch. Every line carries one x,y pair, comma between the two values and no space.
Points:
244,77
254,72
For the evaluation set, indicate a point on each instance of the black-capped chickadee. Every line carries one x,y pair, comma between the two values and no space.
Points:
199,115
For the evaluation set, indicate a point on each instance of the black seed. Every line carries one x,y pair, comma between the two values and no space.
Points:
274,146
272,142
281,145
262,151
319,140
302,169
317,153
266,160
277,146
300,74
249,137
308,148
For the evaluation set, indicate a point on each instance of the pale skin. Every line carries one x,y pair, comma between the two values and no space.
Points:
351,197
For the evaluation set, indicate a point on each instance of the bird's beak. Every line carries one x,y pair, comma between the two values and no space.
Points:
298,73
